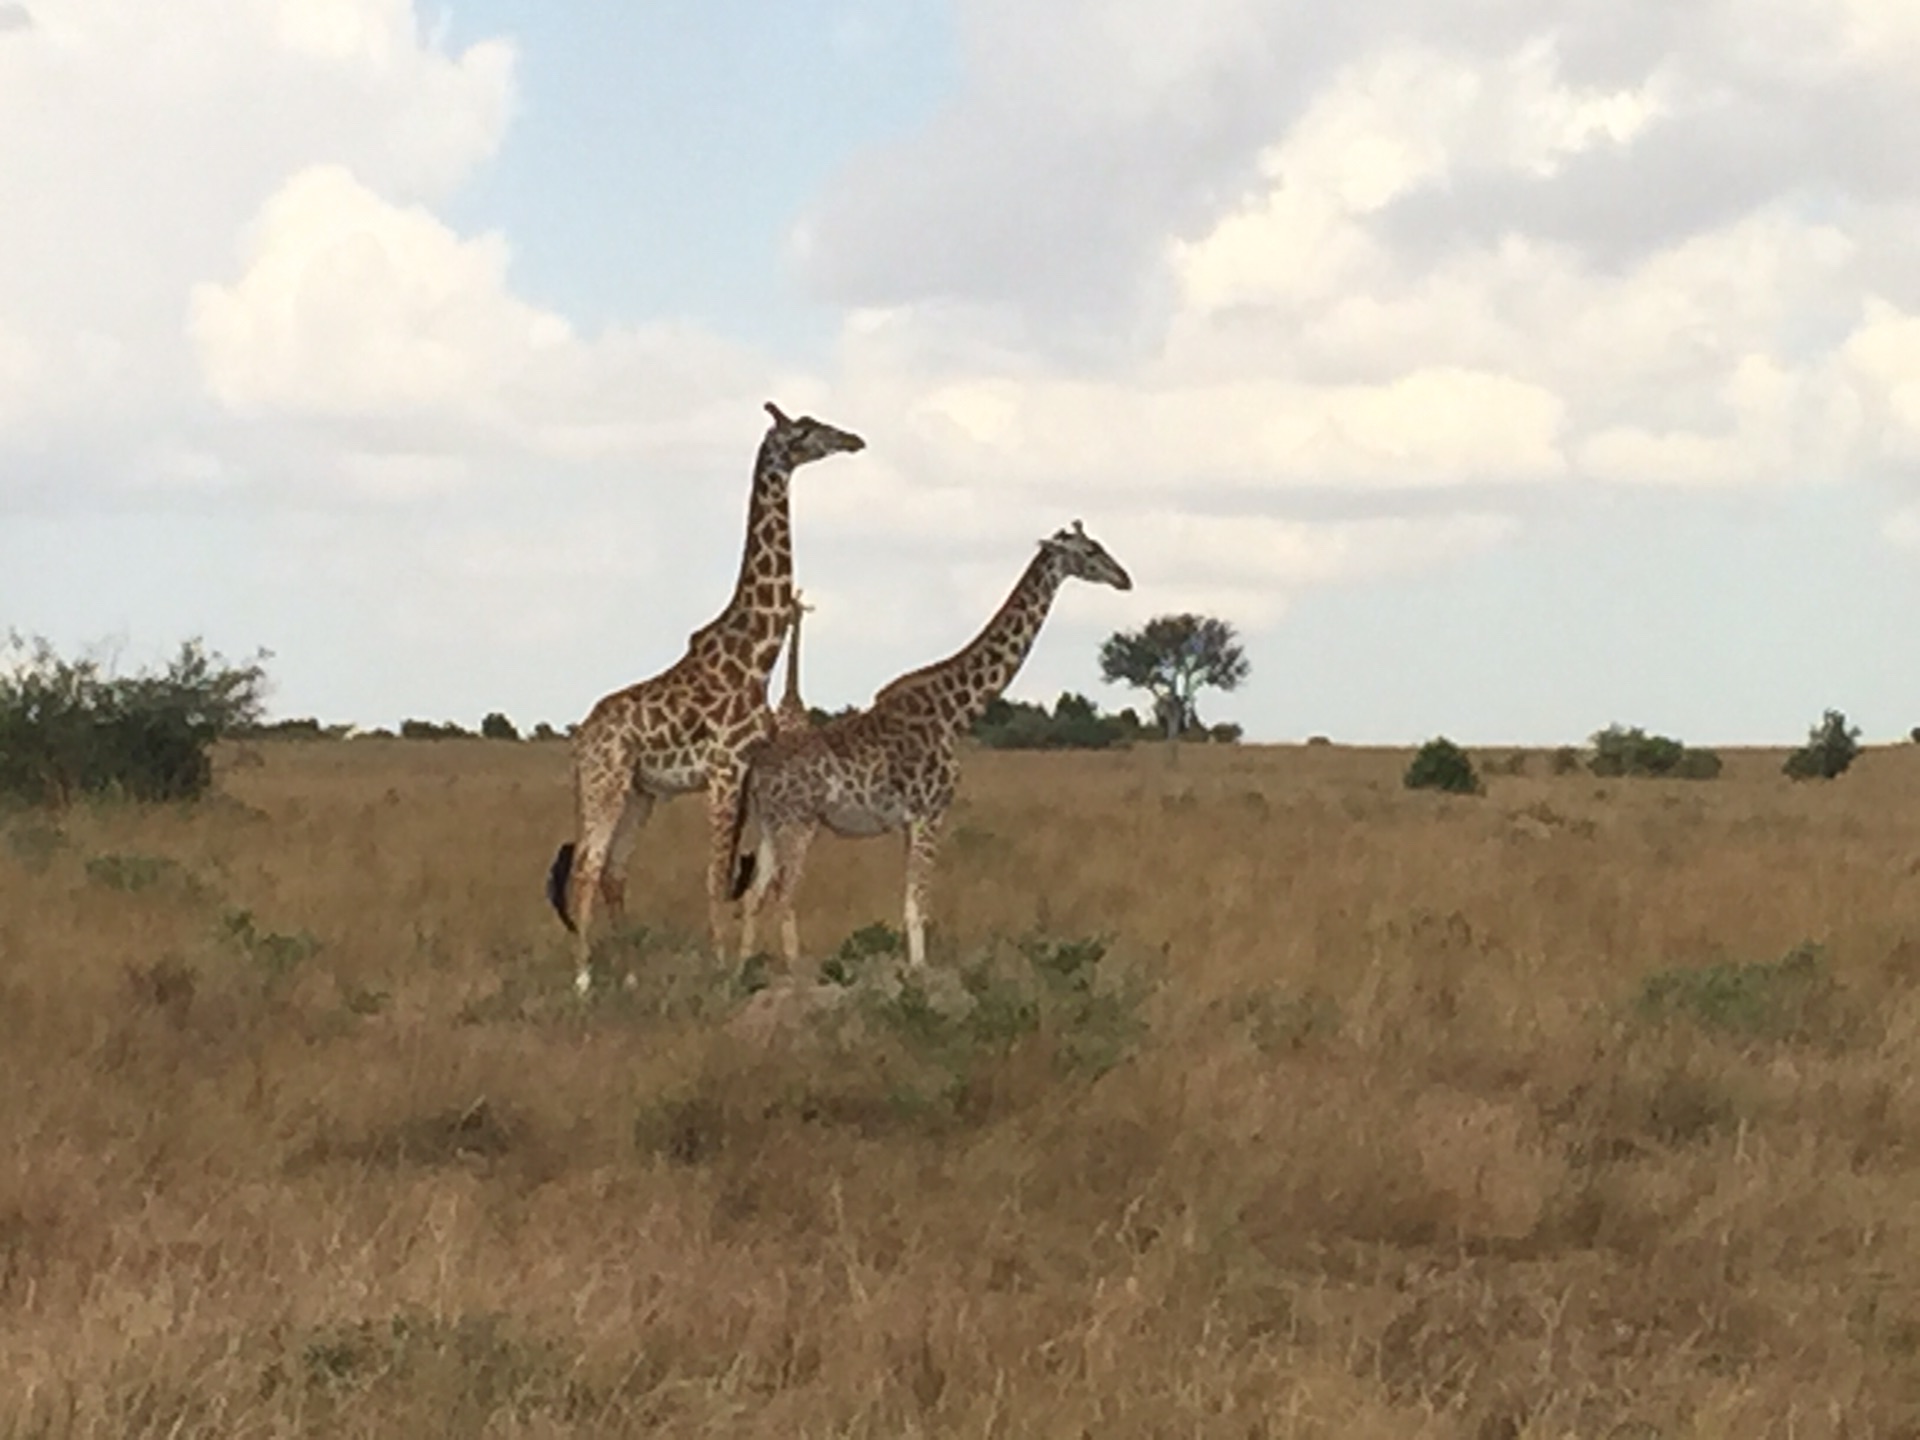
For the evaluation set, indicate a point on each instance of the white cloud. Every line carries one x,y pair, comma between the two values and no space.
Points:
134,142
351,306
1884,356
1320,310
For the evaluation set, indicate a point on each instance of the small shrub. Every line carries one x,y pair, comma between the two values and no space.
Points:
495,726
277,955
854,958
1698,765
1225,734
432,730
1792,998
130,872
1914,735
1514,762
1319,740
1565,760
1442,765
1831,747
1619,752
34,843
1281,1024
544,731
889,1048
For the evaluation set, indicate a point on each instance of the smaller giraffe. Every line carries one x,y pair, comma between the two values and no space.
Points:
792,712
895,765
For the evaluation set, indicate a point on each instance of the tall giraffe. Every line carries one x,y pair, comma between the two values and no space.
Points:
792,712
687,728
894,765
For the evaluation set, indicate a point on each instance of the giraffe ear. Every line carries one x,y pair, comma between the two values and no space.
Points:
775,412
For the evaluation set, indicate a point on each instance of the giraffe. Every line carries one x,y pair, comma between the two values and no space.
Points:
792,712
686,728
894,765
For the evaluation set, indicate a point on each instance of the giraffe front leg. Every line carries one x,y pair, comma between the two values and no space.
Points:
923,846
723,796
789,864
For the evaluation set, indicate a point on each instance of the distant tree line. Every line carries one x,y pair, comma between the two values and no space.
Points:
1074,723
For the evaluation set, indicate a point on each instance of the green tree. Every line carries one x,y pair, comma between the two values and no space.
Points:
495,726
1831,747
1442,765
1173,658
69,728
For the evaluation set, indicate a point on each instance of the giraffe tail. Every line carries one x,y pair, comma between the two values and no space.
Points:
557,878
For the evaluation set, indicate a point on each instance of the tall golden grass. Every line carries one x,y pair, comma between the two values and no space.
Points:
1439,1119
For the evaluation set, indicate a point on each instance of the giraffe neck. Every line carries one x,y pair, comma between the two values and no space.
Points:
959,688
754,624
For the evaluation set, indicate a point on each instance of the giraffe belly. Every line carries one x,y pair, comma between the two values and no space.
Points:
857,816
671,775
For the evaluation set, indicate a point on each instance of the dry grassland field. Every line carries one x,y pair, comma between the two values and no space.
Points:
1248,1096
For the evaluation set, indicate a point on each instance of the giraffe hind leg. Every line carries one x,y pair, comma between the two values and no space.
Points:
602,811
923,845
613,875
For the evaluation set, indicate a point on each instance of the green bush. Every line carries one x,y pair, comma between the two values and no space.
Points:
1831,747
495,726
1792,998
69,729
433,730
1698,765
1619,752
1074,724
1442,765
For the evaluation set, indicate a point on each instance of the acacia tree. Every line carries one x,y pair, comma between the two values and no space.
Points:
1172,658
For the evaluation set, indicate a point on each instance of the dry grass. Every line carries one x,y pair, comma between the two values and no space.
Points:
1519,1116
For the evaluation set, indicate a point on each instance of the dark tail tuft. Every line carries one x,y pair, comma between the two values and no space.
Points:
557,882
743,868
742,864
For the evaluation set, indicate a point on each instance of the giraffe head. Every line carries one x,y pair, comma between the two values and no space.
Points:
1076,553
798,442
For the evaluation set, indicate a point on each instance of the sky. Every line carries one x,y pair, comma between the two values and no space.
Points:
1502,370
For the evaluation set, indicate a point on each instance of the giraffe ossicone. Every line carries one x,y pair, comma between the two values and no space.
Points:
688,727
893,766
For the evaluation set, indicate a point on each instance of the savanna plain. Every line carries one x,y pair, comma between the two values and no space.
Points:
1249,1094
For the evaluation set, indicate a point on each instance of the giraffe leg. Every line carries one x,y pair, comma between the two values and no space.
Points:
923,846
613,875
723,794
755,900
602,812
790,860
